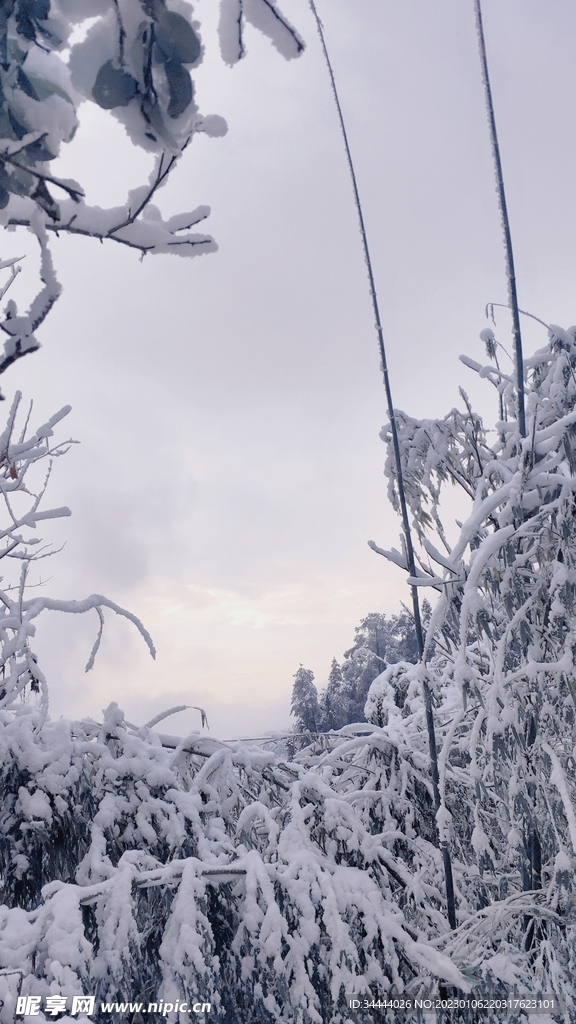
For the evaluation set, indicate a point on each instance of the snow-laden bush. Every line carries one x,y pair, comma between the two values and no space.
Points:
503,672
136,870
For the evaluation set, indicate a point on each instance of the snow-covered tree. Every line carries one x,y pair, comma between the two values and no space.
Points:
140,867
503,672
389,639
332,701
379,641
304,705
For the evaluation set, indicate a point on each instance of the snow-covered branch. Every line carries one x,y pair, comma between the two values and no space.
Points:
19,667
135,61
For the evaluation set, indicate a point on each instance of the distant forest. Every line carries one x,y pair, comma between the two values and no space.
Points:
379,641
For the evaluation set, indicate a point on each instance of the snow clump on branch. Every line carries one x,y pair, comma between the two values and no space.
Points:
136,62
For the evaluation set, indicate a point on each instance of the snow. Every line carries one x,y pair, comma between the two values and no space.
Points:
500,650
264,15
135,862
293,894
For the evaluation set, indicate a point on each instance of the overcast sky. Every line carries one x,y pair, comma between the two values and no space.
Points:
228,406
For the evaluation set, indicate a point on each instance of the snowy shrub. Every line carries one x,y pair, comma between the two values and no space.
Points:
135,870
390,692
503,670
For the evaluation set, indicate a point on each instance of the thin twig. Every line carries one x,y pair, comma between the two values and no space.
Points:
524,312
75,193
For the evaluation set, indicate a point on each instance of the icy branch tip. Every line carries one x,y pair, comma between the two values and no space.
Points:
11,262
470,363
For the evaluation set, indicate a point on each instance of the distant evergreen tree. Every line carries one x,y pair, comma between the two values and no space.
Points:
333,702
305,706
379,642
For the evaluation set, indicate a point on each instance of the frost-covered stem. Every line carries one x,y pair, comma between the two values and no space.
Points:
74,193
164,166
103,236
162,172
510,271
450,899
14,271
21,329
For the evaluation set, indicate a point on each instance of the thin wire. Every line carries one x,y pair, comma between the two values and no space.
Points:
450,898
509,255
